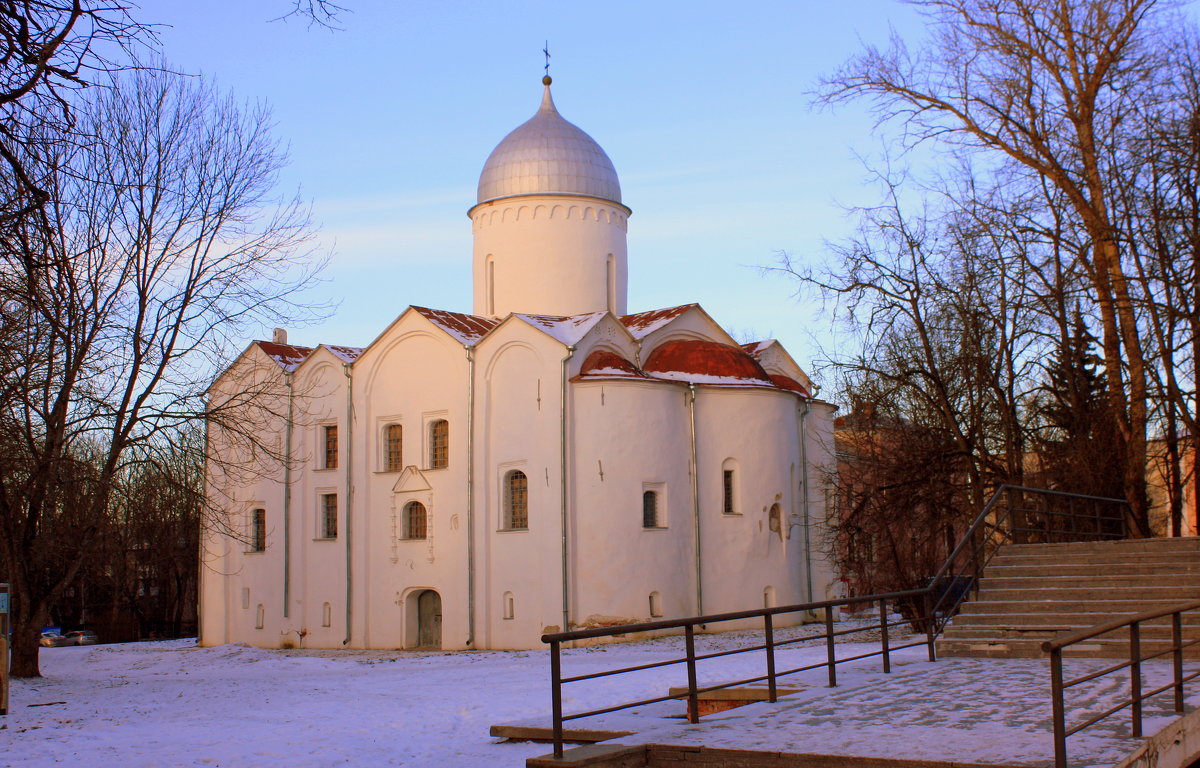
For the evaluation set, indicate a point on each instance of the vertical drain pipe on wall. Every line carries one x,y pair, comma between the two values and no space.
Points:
349,493
287,500
696,499
562,482
470,496
804,500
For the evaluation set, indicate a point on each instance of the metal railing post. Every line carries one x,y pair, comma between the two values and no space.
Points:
1177,657
1135,676
693,699
769,632
830,654
1060,718
930,621
556,697
883,636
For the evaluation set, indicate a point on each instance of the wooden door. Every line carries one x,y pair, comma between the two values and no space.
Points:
429,620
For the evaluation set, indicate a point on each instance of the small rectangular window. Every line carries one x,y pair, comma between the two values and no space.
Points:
260,617
329,523
650,509
394,447
258,531
727,507
330,444
439,444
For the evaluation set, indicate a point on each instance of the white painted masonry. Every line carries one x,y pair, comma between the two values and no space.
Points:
483,481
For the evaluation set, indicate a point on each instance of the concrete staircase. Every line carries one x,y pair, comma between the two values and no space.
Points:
1032,592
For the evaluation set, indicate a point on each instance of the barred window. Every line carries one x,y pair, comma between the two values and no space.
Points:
516,501
439,444
394,447
650,509
258,530
414,521
330,444
329,523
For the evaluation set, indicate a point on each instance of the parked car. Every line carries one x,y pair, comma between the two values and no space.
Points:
81,637
52,640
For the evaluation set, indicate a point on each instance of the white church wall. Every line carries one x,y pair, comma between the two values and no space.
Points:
411,377
234,580
549,255
318,575
519,431
629,437
754,433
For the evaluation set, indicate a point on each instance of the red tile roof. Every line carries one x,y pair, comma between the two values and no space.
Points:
288,356
644,323
468,329
602,364
706,362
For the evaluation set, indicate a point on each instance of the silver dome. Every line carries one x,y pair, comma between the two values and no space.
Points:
548,155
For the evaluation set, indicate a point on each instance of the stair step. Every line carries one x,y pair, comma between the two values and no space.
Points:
1167,594
1095,575
1101,569
1032,648
1073,619
1042,604
1067,580
1117,545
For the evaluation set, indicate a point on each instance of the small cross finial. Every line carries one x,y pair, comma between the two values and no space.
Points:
546,50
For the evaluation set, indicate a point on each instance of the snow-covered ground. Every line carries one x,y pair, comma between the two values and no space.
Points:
172,703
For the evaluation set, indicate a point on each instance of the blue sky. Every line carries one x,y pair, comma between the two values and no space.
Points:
704,108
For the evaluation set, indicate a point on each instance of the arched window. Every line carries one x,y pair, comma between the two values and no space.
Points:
439,444
510,606
516,501
393,448
414,520
655,605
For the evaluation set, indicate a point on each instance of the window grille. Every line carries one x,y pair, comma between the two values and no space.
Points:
394,448
331,447
329,525
649,509
439,444
516,501
258,533
415,520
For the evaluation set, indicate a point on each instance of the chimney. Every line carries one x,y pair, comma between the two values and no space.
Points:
279,336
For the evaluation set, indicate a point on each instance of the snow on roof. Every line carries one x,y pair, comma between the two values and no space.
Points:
644,323
602,364
345,354
567,329
756,348
467,329
288,356
706,362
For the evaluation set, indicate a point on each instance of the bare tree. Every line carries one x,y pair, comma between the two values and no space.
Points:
1050,87
166,246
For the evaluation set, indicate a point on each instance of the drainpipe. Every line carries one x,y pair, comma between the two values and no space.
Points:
696,499
566,593
470,496
804,500
287,500
349,493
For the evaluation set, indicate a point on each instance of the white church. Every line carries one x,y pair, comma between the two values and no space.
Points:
548,462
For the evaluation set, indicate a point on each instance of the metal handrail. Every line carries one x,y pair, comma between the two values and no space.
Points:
996,528
933,619
1056,645
769,644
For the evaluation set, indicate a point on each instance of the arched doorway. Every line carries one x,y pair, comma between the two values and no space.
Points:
429,619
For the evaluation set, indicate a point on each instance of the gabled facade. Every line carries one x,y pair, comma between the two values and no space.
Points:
476,480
